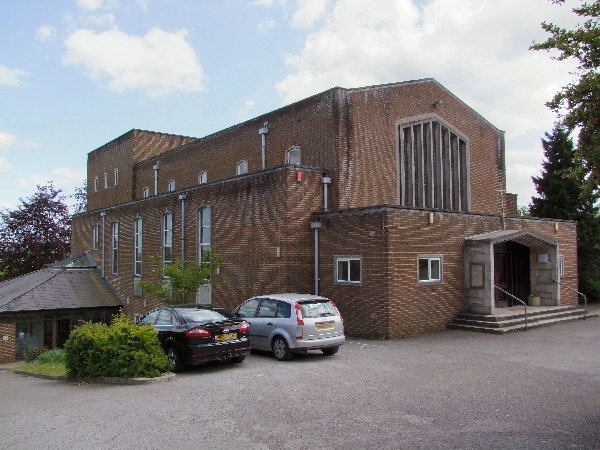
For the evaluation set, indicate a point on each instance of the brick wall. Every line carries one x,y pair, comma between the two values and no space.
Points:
390,302
7,342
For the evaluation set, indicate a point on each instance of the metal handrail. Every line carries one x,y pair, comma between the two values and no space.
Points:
579,293
517,299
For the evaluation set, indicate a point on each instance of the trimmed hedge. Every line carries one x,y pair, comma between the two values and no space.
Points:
123,349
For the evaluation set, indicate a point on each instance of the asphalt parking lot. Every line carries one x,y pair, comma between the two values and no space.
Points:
538,389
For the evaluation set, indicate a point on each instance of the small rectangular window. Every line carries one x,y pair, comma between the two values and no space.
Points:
203,177
430,269
116,176
242,168
95,184
171,186
105,180
348,269
146,192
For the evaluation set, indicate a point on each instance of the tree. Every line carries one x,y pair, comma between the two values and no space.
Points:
80,198
560,188
578,103
35,234
179,279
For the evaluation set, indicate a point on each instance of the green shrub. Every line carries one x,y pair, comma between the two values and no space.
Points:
56,356
123,349
34,353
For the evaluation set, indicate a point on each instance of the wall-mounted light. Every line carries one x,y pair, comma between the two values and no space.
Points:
555,226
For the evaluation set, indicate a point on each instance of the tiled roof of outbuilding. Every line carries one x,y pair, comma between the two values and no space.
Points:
72,283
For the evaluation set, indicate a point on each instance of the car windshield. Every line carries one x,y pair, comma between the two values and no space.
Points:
200,315
313,310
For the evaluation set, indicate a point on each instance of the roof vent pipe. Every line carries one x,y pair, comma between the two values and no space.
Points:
263,133
325,181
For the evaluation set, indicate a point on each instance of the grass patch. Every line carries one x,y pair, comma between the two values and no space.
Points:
45,368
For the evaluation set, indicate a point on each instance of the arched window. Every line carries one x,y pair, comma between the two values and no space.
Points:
242,167
293,156
167,238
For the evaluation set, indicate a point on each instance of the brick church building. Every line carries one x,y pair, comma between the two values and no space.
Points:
391,200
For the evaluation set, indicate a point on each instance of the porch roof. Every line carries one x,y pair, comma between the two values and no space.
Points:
73,283
495,237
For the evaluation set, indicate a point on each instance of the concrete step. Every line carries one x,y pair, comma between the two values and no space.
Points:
514,320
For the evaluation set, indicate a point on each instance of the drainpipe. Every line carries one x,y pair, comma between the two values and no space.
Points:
183,197
263,134
316,226
156,167
103,215
325,181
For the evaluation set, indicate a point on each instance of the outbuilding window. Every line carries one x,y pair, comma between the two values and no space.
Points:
430,269
348,269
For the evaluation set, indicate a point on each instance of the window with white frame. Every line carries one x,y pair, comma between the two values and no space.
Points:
145,192
203,177
430,269
434,166
561,266
293,156
105,181
242,167
167,238
95,240
348,269
171,186
114,260
95,184
137,250
116,176
204,231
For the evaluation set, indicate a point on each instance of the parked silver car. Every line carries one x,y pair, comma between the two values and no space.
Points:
290,323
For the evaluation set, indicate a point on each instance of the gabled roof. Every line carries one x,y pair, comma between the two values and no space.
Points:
72,283
495,237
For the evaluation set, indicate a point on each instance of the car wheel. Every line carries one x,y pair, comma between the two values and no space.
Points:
174,359
281,349
330,350
238,359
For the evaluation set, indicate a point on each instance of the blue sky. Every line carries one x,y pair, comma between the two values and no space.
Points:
75,74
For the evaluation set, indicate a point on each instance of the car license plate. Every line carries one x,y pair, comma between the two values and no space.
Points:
324,326
226,336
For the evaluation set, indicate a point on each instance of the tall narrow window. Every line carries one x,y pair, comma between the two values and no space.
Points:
167,238
116,176
105,180
95,184
434,166
204,231
95,237
114,260
137,251
242,167
203,177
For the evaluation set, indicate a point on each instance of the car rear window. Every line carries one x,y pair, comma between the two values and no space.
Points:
200,315
313,310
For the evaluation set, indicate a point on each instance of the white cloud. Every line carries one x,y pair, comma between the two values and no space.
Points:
266,24
8,140
478,50
308,12
247,111
93,5
64,178
158,63
45,33
5,165
11,77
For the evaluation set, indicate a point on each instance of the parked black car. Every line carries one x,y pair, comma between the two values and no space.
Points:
192,335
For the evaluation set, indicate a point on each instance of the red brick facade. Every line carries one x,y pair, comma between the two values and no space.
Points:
7,342
261,221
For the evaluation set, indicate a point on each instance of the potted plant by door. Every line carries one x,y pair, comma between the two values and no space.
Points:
534,299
